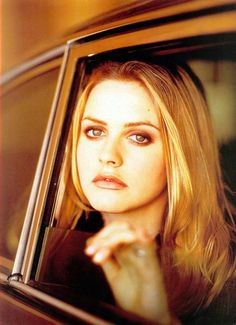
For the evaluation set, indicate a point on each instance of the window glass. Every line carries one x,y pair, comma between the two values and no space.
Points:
219,81
25,112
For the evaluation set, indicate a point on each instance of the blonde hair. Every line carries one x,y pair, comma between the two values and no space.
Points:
195,249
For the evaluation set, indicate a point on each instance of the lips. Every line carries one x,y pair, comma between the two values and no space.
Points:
109,182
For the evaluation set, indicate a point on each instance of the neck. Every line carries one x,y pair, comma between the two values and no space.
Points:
147,219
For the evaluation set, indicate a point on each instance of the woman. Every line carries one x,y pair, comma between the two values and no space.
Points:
144,156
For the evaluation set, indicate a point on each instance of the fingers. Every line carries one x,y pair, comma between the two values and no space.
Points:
136,259
109,239
130,263
137,282
140,254
101,246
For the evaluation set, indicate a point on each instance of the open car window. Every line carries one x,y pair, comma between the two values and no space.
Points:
61,265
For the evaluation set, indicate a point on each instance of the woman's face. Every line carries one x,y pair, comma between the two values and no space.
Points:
120,153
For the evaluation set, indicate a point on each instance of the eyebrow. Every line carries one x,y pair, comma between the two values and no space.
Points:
130,124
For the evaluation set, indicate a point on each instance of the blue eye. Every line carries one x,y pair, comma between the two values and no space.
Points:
139,138
94,133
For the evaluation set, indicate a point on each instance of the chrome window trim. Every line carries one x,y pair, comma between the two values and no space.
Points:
31,74
31,64
28,221
216,23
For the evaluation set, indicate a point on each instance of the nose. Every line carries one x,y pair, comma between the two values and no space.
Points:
110,154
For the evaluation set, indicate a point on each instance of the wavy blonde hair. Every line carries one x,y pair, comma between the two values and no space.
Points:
195,251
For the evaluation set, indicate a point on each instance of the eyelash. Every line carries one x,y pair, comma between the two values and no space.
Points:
92,129
147,138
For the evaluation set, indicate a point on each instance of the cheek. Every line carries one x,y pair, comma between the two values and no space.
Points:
150,169
86,159
82,159
156,170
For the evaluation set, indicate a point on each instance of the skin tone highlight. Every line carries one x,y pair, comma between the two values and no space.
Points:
120,131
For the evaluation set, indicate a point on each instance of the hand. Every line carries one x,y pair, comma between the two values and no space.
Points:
129,260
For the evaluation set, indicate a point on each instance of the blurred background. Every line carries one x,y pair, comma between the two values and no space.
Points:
30,27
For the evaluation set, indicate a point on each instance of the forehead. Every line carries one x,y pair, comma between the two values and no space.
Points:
127,100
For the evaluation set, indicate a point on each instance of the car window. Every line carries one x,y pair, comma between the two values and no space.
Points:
25,111
61,262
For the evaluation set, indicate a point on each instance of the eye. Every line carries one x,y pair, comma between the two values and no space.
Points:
94,133
139,138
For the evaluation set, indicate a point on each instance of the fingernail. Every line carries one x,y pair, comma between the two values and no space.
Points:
98,257
90,250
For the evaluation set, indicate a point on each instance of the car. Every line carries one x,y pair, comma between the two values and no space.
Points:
38,99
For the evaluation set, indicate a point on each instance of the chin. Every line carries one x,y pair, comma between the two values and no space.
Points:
107,207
